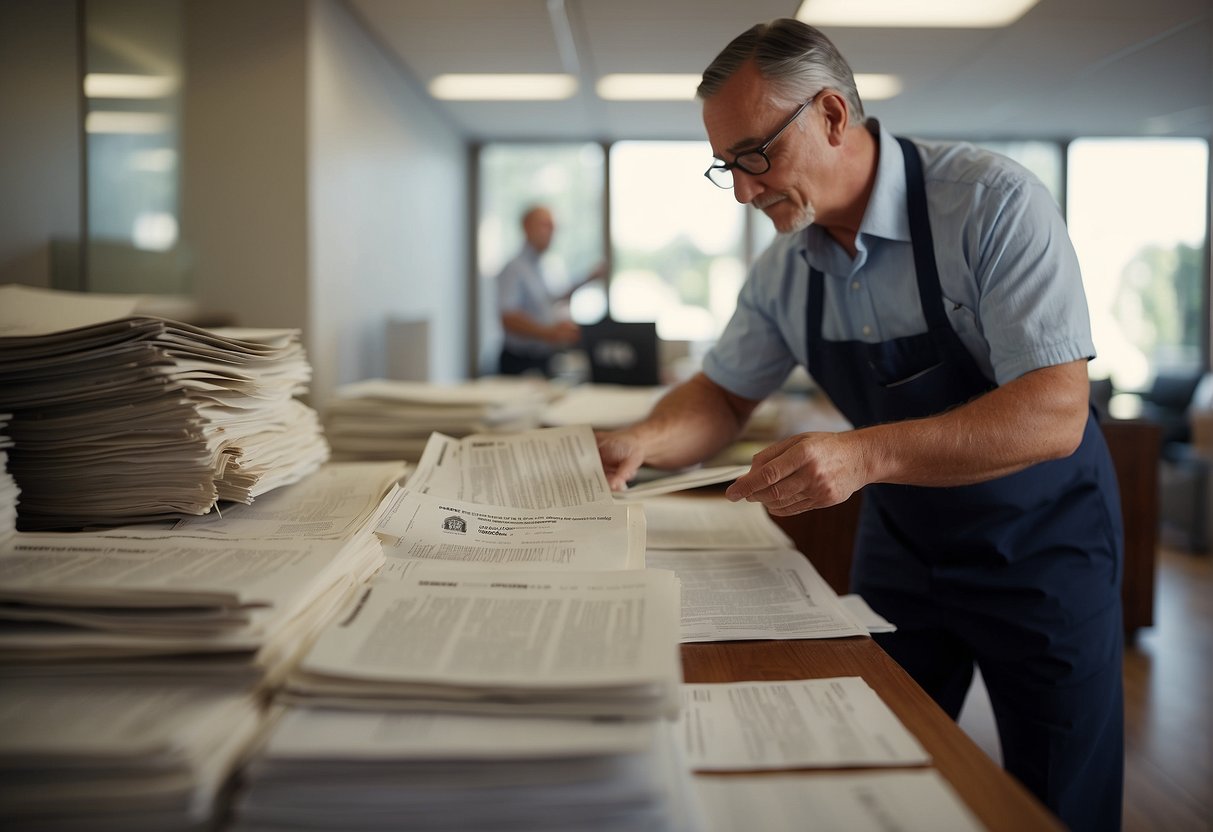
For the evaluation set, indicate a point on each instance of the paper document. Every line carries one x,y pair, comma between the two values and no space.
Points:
683,481
828,723
710,523
545,468
316,734
118,754
334,503
865,615
869,802
754,595
28,310
602,406
553,643
444,772
596,538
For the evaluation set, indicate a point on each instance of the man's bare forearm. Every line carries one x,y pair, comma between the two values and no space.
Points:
692,422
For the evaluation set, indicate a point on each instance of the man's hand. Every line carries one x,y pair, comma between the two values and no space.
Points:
802,472
564,333
622,455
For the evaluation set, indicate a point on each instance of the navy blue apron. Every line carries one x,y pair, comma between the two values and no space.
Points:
1020,574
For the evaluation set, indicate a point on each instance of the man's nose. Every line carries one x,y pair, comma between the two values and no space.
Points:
745,187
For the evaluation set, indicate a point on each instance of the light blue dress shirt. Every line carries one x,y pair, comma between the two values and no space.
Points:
521,288
1011,284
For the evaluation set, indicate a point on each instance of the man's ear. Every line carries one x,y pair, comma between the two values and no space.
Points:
837,115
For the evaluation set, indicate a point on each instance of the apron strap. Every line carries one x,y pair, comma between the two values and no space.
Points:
929,294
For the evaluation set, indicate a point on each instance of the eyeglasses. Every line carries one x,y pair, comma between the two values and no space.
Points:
754,162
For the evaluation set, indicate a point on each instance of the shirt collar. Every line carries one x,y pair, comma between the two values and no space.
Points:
886,212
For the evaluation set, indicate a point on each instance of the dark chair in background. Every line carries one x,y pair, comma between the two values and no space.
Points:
622,353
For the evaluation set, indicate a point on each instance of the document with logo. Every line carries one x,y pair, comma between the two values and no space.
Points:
544,468
598,538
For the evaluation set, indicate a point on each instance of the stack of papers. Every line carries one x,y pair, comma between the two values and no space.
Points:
8,486
601,644
139,418
381,419
341,771
98,755
228,599
602,406
216,609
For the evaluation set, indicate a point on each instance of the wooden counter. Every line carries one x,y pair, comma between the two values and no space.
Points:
995,797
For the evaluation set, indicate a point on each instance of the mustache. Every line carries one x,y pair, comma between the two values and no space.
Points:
767,202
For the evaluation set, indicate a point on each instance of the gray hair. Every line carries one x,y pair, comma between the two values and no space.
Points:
795,57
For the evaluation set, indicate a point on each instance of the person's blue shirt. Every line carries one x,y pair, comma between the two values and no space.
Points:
521,288
1010,278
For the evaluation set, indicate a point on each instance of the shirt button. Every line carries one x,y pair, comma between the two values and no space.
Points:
855,285
867,330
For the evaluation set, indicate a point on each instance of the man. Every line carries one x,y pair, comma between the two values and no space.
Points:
932,292
534,329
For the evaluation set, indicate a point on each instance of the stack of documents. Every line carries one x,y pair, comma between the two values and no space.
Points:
454,772
8,486
120,756
602,406
601,644
222,610
139,418
229,599
380,419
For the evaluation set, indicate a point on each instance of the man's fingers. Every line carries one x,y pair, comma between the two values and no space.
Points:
762,477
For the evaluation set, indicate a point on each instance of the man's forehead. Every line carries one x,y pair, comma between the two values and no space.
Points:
738,122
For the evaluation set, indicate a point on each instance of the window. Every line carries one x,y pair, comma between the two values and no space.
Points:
1137,215
568,179
677,240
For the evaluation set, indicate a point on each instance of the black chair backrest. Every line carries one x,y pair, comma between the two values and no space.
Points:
622,353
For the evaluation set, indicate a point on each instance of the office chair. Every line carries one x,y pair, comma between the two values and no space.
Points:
622,353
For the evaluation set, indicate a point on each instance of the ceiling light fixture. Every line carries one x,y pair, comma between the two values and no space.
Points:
877,87
944,14
681,87
110,85
648,87
107,121
501,87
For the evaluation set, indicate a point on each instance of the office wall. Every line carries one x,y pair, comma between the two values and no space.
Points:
387,197
40,140
244,159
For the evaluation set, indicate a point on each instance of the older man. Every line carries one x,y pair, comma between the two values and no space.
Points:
932,292
534,328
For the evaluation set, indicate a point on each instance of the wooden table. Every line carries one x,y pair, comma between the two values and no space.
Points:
995,797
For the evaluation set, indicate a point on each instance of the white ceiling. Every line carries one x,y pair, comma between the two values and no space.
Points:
1067,68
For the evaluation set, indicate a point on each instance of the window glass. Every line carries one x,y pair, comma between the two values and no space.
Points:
678,254
132,87
1137,212
568,179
